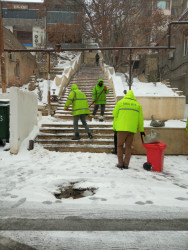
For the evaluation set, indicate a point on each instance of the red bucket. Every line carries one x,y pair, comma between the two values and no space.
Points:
155,155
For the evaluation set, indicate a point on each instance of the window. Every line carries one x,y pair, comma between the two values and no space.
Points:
174,11
163,5
17,69
185,45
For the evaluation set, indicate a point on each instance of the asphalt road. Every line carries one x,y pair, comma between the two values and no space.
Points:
62,227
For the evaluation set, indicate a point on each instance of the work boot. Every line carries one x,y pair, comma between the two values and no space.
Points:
101,118
76,137
125,167
114,152
120,167
90,136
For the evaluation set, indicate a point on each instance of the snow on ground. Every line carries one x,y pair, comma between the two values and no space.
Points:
34,176
142,88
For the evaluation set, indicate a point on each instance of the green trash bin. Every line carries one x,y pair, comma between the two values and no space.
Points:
4,121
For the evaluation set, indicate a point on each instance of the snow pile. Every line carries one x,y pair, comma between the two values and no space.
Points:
157,89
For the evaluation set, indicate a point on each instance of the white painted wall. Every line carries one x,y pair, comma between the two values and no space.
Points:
61,81
23,116
5,96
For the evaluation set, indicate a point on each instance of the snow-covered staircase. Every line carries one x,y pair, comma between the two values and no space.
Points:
57,136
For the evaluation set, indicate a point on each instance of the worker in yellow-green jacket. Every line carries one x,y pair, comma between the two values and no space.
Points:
128,117
187,125
99,98
80,109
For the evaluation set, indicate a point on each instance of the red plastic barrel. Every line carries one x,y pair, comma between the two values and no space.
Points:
155,155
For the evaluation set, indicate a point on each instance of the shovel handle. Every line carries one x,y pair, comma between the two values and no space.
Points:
142,138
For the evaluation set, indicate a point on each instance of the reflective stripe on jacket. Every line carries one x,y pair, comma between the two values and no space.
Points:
128,115
78,100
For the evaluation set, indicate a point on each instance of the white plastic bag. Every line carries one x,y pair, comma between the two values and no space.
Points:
152,137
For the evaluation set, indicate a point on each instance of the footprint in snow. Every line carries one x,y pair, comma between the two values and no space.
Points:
6,194
181,199
20,202
144,203
13,196
47,202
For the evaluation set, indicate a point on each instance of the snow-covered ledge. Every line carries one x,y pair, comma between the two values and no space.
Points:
5,96
156,98
23,116
61,81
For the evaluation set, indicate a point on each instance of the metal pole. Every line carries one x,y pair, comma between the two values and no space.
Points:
81,49
169,35
130,69
2,55
48,80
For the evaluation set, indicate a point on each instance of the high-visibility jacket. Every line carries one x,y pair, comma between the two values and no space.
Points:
78,100
97,95
128,115
187,125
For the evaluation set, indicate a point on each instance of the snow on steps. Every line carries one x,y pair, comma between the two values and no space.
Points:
58,137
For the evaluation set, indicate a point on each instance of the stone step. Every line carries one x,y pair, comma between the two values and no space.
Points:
82,141
70,135
79,148
69,125
109,104
69,117
61,109
88,92
68,130
88,78
108,100
58,136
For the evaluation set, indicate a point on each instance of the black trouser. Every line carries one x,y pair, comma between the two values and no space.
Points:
96,109
84,123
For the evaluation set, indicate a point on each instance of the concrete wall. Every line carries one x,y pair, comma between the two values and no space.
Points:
22,62
176,140
157,106
160,106
63,80
23,116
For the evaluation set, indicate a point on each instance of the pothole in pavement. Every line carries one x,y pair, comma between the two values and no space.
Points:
73,192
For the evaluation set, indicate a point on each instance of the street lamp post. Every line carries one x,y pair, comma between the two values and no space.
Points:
48,80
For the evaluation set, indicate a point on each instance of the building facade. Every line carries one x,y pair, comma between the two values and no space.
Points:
173,65
29,22
19,66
